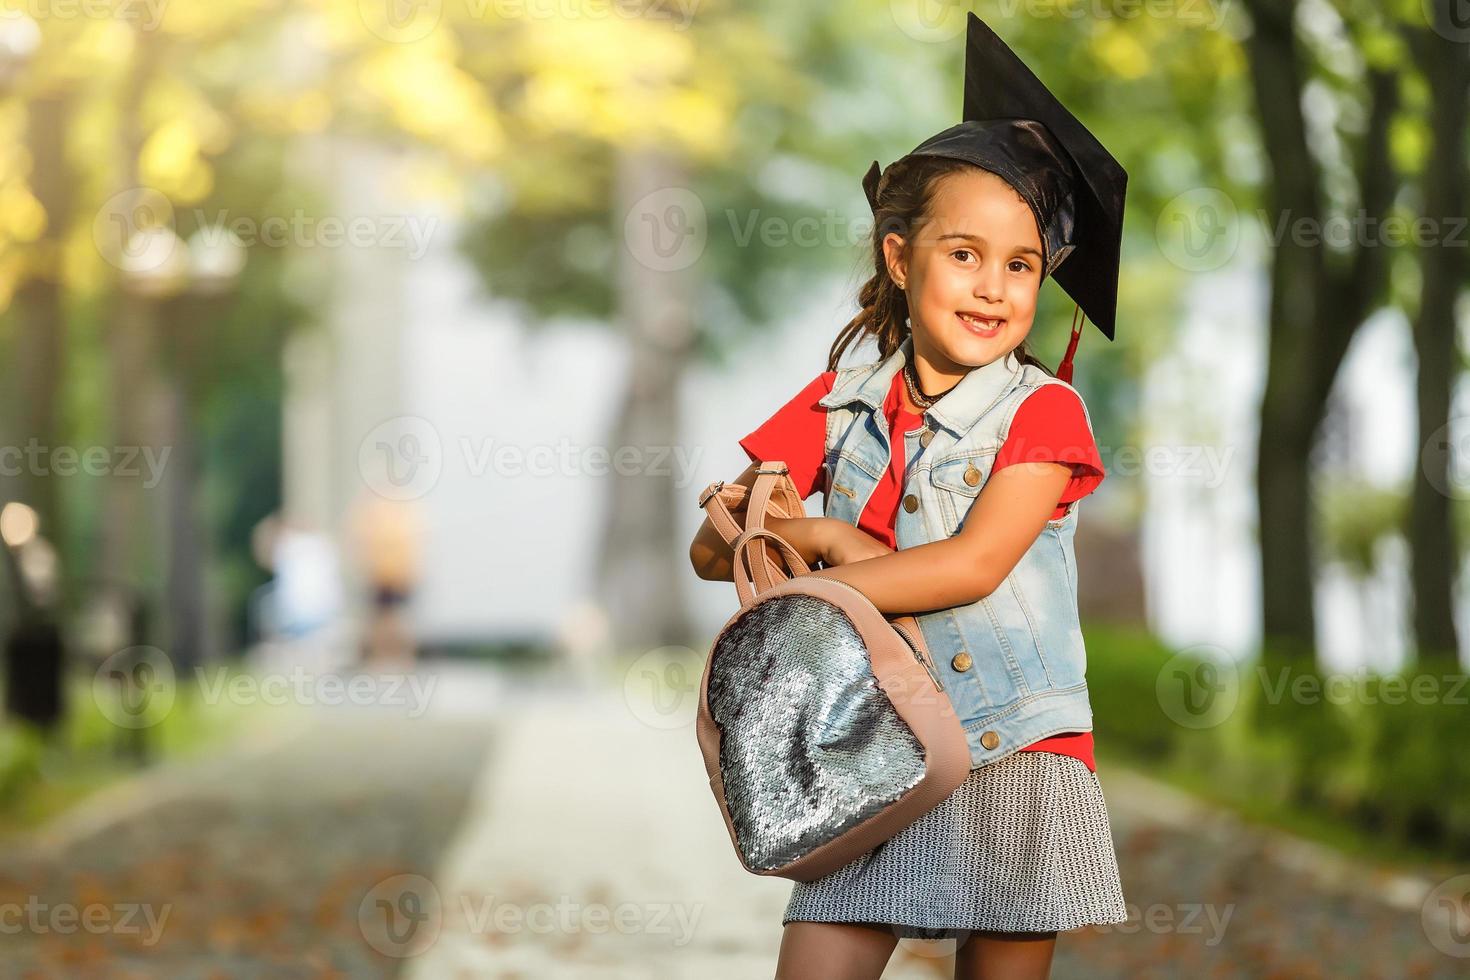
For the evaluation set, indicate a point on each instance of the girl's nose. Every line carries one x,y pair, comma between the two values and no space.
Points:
988,281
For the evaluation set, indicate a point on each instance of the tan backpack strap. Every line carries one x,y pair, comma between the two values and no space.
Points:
718,500
772,494
766,567
743,576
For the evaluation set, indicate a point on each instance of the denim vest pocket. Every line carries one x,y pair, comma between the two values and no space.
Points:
953,492
849,485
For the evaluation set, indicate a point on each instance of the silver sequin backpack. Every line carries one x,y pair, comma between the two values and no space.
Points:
822,722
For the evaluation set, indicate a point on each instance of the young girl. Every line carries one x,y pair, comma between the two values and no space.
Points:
951,469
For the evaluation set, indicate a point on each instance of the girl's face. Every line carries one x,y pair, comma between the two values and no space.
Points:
972,272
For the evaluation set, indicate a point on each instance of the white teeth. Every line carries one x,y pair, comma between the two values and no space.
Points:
983,324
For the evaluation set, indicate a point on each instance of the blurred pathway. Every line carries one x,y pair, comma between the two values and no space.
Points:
593,848
535,832
263,862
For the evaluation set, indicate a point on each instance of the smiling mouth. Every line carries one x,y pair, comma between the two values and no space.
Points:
982,325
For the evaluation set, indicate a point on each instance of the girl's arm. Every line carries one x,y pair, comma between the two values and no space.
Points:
710,554
1004,521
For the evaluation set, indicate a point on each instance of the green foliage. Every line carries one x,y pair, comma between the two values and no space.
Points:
1122,670
1353,518
1372,761
21,748
41,776
816,98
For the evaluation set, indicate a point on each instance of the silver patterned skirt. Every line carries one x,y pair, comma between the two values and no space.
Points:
1022,845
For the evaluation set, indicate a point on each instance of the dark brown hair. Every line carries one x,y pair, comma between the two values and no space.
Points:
904,196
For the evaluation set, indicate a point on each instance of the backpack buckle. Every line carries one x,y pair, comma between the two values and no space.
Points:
709,492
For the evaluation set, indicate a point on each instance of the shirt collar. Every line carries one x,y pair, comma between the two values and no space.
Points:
957,411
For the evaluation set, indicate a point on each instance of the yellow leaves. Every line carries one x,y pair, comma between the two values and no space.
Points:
22,218
1139,46
189,130
211,19
102,43
697,121
606,51
171,162
15,154
309,112
618,81
174,103
429,97
272,112
1120,51
331,26
556,103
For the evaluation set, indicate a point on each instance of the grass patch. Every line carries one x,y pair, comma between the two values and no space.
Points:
42,776
1374,765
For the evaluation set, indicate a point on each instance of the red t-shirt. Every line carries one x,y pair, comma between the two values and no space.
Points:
1049,426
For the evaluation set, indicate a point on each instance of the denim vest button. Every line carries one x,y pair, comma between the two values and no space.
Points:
910,503
927,437
990,740
961,661
972,475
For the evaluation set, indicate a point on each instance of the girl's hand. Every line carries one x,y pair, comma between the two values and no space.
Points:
827,540
844,544
806,534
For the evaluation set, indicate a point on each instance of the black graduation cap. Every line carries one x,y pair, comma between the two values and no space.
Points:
1015,128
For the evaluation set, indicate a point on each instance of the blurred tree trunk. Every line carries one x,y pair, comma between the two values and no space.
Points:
179,319
40,317
127,560
1432,540
638,576
33,648
1317,303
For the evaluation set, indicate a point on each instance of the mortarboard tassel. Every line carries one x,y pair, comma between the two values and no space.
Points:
1064,369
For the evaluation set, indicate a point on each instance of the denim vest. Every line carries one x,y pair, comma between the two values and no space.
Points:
1012,663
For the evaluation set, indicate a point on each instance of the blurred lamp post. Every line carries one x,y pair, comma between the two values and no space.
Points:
186,283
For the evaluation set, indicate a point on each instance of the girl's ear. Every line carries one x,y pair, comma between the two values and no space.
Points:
897,261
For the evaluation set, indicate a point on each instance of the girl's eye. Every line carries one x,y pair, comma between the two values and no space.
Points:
1015,265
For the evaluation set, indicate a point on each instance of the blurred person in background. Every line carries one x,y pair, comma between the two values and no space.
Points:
386,540
294,614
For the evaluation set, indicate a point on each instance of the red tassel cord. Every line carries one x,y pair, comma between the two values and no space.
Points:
1064,369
